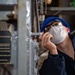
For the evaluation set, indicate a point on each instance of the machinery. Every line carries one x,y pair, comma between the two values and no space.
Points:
20,22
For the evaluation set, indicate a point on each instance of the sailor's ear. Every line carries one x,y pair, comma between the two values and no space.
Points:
67,29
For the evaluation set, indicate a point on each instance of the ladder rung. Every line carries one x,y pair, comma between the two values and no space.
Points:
8,63
5,36
4,48
5,51
4,55
3,60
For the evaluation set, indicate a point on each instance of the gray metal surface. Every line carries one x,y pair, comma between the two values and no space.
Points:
6,6
41,7
22,50
24,28
60,11
35,34
14,52
8,1
62,8
3,15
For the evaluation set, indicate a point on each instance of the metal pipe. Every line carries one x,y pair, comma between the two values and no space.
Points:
41,7
35,34
37,16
